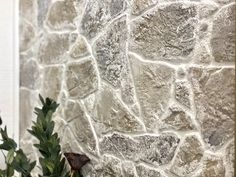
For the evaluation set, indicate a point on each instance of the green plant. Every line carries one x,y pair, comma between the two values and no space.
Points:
52,161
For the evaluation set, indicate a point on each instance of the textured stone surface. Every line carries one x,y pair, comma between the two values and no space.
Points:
153,86
27,35
223,35
214,90
81,79
53,47
29,73
61,15
230,159
79,124
212,166
109,113
98,13
176,119
188,157
140,83
110,52
182,93
52,82
79,49
151,149
164,33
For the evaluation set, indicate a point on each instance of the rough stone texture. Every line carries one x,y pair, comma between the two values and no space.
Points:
108,113
52,82
61,15
212,166
188,157
176,119
79,124
81,79
98,13
153,86
53,47
165,33
131,75
79,49
182,93
158,150
230,159
27,35
29,73
110,52
214,90
223,35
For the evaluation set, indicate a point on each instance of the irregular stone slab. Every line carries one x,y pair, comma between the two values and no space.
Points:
110,52
206,10
139,6
51,82
230,159
147,172
182,93
28,10
158,150
153,88
176,119
27,35
107,167
81,79
109,114
214,99
61,15
29,73
223,35
53,48
79,125
165,33
98,13
129,169
212,166
43,6
79,49
27,104
188,157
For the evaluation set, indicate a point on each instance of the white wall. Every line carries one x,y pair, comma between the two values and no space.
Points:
9,67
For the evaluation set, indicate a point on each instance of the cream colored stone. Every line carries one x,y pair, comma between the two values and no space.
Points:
81,79
79,49
230,159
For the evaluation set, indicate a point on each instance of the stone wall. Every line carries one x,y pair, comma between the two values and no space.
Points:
146,87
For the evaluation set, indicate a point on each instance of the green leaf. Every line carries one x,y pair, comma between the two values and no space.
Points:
10,156
0,120
41,99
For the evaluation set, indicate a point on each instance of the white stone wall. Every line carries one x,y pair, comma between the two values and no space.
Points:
146,87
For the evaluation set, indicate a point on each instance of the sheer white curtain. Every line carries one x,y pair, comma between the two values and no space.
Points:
9,67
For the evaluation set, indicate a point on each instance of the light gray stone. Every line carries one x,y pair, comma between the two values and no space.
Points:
153,88
139,6
43,6
28,10
147,172
230,159
212,166
157,150
27,35
223,35
206,10
214,99
176,119
188,157
182,93
81,79
51,82
79,49
110,51
53,48
61,15
129,169
98,13
109,114
79,125
165,33
29,73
